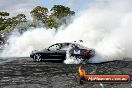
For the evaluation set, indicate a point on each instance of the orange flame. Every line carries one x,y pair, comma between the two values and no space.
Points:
81,71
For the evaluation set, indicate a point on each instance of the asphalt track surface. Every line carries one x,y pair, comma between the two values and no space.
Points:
19,72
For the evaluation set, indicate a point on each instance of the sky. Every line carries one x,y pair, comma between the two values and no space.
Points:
15,7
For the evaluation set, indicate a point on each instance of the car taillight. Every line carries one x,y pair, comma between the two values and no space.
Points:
85,52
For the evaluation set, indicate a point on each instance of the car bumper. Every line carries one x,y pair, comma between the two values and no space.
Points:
31,55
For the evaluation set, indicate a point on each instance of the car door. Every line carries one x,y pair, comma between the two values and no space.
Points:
55,51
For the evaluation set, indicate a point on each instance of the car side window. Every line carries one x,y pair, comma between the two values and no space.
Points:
54,47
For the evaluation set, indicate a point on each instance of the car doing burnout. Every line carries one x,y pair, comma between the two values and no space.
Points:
58,51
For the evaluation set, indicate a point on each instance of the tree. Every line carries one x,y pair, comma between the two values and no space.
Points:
18,19
61,13
21,18
39,14
9,24
58,16
4,14
3,20
51,22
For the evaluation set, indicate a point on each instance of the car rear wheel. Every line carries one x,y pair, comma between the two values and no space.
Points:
37,57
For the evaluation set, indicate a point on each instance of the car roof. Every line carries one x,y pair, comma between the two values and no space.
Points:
77,44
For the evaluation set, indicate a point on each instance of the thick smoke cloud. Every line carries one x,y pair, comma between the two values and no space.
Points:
105,26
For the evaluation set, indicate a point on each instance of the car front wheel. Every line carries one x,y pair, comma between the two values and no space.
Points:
37,57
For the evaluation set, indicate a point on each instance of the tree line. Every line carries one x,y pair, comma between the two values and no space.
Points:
55,17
